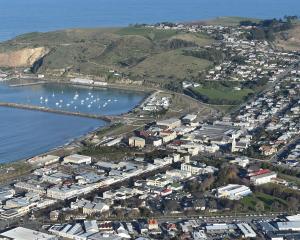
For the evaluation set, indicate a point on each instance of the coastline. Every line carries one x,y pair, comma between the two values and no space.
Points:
75,143
129,87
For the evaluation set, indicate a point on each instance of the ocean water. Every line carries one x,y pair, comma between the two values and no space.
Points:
21,16
25,133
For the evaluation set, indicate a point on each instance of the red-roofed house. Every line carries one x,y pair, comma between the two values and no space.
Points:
262,176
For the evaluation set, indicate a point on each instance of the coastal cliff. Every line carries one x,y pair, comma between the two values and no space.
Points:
22,58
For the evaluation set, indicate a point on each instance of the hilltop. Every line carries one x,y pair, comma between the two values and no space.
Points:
138,52
226,21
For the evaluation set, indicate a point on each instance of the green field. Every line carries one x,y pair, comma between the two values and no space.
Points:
268,201
222,95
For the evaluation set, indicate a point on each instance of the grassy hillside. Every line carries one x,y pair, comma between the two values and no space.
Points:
171,65
135,52
289,40
152,34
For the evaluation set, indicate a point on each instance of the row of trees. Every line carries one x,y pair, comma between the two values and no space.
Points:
210,54
266,29
178,43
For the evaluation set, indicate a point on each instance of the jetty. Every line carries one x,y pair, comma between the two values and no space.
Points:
27,84
57,111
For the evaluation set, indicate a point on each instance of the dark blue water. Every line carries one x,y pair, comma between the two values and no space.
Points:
24,134
21,16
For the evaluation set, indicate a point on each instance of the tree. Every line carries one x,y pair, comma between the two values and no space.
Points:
179,43
120,213
192,186
247,23
171,205
270,36
293,203
257,34
237,206
275,206
260,206
227,174
212,204
207,183
145,212
198,195
134,213
225,203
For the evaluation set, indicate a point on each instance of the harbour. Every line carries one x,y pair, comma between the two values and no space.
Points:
42,125
72,98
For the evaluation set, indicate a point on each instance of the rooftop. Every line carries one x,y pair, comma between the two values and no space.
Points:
20,233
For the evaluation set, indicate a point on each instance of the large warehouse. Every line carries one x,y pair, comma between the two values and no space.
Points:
233,191
78,159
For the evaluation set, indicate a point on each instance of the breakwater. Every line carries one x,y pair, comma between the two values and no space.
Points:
57,111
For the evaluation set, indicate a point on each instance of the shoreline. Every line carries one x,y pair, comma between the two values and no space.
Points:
128,87
68,144
75,142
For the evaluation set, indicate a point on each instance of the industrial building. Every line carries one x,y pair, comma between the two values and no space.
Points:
246,230
233,191
77,159
219,228
188,118
81,81
136,142
288,226
216,131
44,160
20,233
170,123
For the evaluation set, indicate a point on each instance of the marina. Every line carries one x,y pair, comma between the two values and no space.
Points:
52,115
71,98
